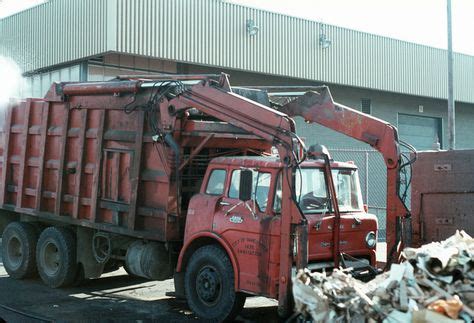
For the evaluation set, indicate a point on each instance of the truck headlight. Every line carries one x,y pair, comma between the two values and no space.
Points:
371,239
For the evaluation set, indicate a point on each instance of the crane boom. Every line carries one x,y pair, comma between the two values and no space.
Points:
319,107
217,100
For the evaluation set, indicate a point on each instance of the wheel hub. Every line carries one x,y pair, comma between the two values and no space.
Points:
208,285
14,252
51,258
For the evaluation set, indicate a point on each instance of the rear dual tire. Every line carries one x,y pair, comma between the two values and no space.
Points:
18,250
56,257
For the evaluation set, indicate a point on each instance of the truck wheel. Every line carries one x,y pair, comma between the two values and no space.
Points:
18,250
56,257
209,285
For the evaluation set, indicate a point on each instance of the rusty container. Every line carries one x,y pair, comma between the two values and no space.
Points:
442,195
87,164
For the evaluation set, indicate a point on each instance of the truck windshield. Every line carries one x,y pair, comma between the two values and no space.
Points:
311,190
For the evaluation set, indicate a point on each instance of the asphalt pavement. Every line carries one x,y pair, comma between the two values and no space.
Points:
113,297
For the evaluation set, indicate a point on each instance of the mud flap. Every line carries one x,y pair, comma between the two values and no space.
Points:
178,286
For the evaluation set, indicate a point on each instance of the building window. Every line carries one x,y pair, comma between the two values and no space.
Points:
366,106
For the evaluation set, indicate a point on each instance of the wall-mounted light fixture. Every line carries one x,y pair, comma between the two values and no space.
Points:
324,40
252,28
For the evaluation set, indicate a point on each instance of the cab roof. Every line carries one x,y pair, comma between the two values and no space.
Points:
273,162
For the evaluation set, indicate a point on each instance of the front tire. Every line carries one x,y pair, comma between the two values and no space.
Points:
18,250
209,285
56,257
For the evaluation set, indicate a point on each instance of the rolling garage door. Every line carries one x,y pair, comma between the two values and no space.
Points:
421,132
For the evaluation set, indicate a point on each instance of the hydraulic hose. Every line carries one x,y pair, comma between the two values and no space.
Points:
174,146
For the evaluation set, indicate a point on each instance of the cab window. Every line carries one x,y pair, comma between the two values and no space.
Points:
260,187
215,185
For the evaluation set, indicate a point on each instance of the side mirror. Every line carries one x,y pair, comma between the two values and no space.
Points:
245,186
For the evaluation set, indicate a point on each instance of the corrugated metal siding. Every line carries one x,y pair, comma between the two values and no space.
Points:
213,32
56,32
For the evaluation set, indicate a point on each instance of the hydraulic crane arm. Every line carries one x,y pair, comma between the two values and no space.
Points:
219,101
319,107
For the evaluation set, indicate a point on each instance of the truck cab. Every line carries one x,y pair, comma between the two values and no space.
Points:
249,229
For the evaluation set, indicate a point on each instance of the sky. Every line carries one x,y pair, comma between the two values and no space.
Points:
9,7
419,21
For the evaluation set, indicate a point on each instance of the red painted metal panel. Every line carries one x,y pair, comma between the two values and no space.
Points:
82,159
442,194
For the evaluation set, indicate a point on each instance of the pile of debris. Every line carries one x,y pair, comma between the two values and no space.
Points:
435,283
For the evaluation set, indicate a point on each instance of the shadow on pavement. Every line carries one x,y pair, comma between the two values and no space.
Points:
110,298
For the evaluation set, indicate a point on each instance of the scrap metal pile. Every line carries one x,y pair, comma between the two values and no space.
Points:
434,283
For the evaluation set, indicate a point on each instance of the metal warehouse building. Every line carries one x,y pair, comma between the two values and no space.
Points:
401,82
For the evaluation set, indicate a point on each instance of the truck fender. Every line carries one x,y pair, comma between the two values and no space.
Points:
201,239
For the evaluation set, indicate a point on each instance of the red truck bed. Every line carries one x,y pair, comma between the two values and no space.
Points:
86,165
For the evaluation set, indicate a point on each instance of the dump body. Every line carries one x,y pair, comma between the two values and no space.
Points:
90,163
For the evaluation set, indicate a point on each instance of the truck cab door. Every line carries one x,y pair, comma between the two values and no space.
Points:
247,226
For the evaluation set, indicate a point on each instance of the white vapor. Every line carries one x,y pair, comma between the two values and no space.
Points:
12,85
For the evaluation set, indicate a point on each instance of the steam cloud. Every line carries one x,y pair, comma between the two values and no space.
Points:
12,85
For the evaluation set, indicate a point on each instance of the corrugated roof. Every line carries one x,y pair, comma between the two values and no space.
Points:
213,33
